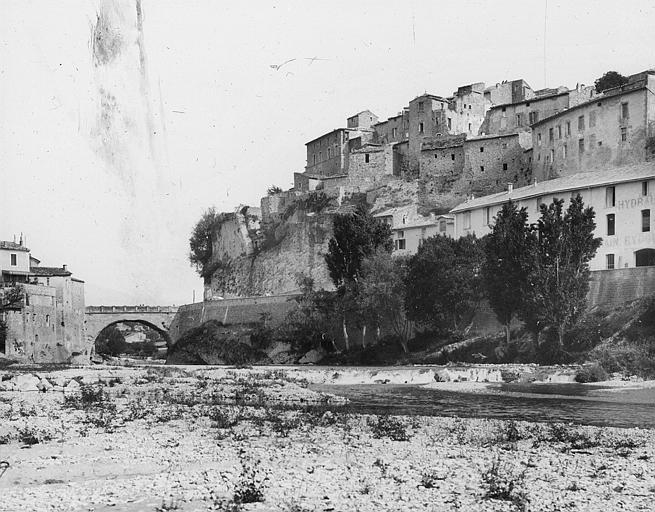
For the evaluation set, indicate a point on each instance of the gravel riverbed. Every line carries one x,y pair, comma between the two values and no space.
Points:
136,439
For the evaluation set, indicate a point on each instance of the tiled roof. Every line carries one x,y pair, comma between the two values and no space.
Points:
12,246
50,271
637,172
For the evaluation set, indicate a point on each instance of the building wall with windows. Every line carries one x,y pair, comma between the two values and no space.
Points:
407,239
512,91
14,261
327,155
395,129
611,130
514,117
623,200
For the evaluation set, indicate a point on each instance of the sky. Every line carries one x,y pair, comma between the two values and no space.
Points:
236,89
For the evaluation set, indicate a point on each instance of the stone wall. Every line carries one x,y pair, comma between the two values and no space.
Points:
298,245
613,287
240,311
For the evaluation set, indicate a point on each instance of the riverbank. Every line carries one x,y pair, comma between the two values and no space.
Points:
168,438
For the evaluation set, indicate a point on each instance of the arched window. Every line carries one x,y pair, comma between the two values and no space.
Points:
645,257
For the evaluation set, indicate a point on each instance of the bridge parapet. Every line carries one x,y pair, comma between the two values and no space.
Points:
130,309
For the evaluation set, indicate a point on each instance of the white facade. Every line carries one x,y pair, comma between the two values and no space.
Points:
623,200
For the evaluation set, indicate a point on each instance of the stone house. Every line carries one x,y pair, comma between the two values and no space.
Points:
623,199
48,326
612,129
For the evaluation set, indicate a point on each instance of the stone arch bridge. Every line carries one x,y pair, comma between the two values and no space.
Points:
97,318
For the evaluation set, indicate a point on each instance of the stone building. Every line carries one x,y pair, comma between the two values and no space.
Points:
512,91
612,129
623,199
48,326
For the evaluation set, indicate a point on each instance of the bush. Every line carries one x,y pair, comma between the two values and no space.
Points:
591,373
250,487
505,483
386,426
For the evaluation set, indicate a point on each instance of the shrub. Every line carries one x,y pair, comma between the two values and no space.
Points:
505,483
250,487
591,373
386,426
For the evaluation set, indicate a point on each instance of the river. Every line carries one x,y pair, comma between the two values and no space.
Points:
570,403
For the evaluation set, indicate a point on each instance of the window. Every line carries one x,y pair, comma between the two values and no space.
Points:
482,168
47,319
450,123
487,216
394,132
467,220
401,233
559,131
367,157
420,106
567,130
13,260
610,224
401,244
592,119
552,155
564,150
519,120
482,150
551,134
644,188
329,153
504,166
442,226
539,139
436,156
581,146
581,123
469,127
452,156
610,197
645,221
504,145
624,134
609,258
320,156
625,113
504,109
420,127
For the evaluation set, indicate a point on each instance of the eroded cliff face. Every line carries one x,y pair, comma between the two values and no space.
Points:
294,247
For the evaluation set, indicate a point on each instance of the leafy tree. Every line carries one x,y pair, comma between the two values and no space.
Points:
273,189
443,281
382,294
356,236
508,250
200,242
609,80
558,284
111,342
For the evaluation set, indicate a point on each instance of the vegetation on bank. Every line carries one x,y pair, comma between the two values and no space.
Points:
534,277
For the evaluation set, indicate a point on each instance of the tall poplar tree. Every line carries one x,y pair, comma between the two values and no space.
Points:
508,262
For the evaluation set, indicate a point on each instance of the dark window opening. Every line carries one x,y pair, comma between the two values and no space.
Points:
610,197
645,257
610,261
13,260
482,168
610,224
452,156
482,150
504,167
367,158
645,221
644,188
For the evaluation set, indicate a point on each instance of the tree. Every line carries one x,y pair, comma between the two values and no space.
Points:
111,342
558,284
609,80
508,250
200,242
443,281
273,189
382,295
355,236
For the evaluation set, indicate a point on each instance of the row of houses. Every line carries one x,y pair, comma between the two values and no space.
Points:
48,323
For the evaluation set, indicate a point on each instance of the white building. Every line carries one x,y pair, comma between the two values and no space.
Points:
409,228
623,199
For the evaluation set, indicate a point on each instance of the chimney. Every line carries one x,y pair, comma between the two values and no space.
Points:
64,267
20,242
535,182
510,187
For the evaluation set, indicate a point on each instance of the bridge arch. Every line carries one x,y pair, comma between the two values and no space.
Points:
98,318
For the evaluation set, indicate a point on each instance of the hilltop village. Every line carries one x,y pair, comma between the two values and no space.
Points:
444,165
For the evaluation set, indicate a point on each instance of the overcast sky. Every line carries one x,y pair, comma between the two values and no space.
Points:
232,124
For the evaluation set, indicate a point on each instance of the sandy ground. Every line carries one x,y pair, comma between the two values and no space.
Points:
174,439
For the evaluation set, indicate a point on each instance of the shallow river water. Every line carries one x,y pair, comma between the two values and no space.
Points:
574,403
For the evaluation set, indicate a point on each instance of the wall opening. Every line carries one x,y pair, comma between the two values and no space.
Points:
645,258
